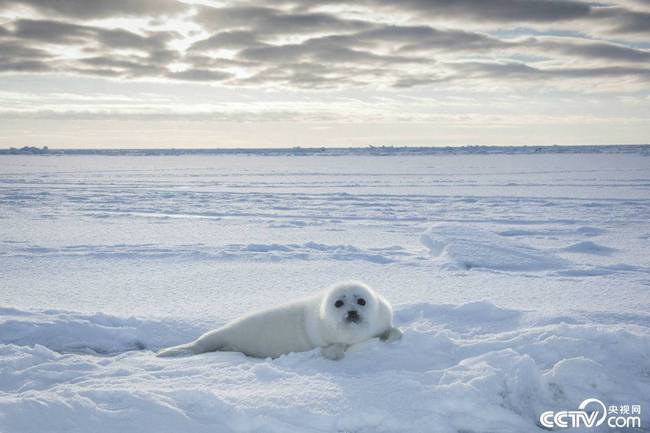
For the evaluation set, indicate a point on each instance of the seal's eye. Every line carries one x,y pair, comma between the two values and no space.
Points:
361,301
338,304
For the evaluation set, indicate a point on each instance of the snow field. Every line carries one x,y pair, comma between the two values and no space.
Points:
520,282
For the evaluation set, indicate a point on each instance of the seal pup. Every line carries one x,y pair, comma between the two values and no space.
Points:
334,319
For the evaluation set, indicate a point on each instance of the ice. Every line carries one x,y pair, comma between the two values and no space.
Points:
92,333
471,367
467,248
588,247
370,150
519,277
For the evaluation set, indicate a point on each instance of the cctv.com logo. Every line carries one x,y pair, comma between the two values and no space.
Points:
593,413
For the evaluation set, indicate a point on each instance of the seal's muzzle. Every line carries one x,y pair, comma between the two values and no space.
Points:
352,316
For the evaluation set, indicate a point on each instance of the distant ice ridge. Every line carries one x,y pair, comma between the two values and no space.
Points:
643,149
472,367
261,252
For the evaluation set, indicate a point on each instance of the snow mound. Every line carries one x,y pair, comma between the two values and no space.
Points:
588,247
590,231
481,316
583,231
462,247
472,367
90,333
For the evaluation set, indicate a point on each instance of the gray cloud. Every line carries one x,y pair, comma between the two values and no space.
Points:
622,20
493,10
16,57
19,52
321,50
60,32
415,81
519,72
98,8
294,44
417,38
11,65
203,62
199,75
15,49
49,31
119,38
497,10
594,50
522,71
228,39
267,20
317,75
124,66
615,15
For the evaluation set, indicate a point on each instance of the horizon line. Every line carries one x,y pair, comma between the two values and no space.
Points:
368,147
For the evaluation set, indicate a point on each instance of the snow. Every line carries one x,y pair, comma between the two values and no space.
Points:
643,149
520,282
473,367
467,248
588,247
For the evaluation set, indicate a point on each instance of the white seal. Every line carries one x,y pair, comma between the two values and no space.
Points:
334,319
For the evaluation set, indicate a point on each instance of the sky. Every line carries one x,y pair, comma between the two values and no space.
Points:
311,73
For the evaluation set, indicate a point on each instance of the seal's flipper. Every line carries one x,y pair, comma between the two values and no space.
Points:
334,351
208,342
182,350
392,334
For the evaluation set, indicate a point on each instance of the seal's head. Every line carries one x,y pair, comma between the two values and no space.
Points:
350,310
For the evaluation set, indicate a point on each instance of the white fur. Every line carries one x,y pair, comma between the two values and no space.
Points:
302,325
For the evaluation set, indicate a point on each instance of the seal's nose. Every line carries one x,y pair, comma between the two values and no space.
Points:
352,316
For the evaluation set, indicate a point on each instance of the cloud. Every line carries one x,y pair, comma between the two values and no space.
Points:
98,8
100,48
522,71
496,10
415,81
228,39
16,49
317,50
125,66
267,20
613,16
16,57
305,75
119,38
416,38
317,44
64,33
12,65
199,75
49,31
621,20
587,49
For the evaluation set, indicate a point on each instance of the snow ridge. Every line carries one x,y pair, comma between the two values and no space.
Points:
469,367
